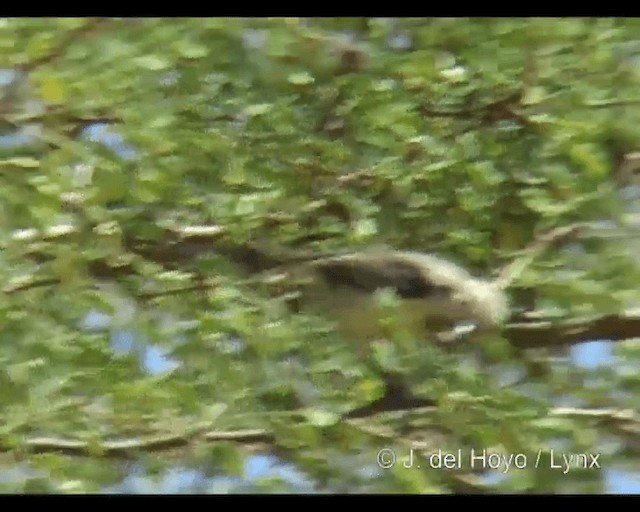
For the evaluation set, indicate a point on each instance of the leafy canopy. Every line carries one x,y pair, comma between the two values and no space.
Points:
462,137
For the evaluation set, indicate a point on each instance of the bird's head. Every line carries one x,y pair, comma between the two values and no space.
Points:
483,302
467,298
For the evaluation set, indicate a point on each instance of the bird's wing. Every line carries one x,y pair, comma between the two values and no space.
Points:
368,273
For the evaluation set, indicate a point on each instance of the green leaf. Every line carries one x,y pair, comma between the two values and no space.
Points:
386,355
52,89
321,418
153,62
365,228
227,458
192,50
301,78
24,162
258,109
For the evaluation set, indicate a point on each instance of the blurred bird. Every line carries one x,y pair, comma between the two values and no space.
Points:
434,294
435,298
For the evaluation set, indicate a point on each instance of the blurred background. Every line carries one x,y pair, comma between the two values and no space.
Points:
146,164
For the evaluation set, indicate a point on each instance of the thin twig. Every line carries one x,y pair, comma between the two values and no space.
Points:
29,284
515,269
176,291
611,103
123,447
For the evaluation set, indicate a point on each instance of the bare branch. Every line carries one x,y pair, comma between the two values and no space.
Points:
121,448
175,291
126,447
547,333
619,415
255,435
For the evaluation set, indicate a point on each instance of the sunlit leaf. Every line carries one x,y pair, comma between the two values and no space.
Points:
52,90
153,62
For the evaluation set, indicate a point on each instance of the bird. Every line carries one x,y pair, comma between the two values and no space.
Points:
434,294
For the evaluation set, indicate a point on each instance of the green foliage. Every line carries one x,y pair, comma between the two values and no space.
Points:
463,137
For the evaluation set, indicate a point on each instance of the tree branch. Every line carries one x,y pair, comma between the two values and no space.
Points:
123,447
626,421
541,243
547,333
181,245
126,447
29,284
